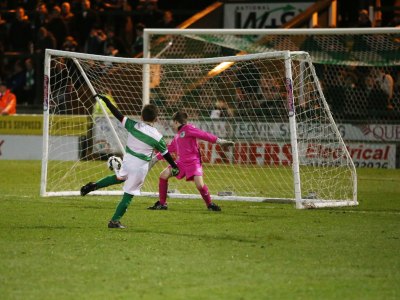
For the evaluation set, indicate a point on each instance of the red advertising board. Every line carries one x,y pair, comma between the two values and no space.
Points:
280,154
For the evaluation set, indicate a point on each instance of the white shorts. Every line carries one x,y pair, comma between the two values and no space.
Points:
135,171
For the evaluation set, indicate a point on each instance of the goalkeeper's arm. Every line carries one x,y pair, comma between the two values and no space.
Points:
223,142
112,108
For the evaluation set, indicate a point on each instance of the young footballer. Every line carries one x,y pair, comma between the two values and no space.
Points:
143,138
184,144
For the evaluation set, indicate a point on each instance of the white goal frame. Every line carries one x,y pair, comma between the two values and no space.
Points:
300,202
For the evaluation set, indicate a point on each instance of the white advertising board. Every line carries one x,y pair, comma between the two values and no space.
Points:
280,131
261,15
29,147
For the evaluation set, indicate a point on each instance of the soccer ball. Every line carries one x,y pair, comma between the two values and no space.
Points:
114,163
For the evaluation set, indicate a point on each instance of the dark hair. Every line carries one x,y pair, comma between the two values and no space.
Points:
180,116
149,113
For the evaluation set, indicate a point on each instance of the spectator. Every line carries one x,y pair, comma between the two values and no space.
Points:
67,16
3,34
395,21
115,18
127,34
150,14
115,41
385,83
379,85
247,90
20,35
45,40
8,101
113,4
137,46
363,19
243,104
41,17
271,96
57,26
95,42
111,50
85,20
29,89
16,81
61,88
221,110
167,20
70,44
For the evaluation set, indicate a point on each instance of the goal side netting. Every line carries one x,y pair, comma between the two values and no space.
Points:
350,62
287,146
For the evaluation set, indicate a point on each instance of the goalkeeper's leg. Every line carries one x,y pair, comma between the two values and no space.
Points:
203,189
161,204
205,194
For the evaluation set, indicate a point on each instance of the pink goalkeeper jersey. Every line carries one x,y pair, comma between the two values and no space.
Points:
184,143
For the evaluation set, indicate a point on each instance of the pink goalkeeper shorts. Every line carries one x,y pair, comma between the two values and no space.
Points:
189,170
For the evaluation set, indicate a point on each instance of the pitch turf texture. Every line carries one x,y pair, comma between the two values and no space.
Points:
60,248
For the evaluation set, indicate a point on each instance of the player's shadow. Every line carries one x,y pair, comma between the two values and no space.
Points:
50,227
220,237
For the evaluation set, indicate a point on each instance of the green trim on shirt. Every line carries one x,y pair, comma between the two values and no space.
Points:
138,155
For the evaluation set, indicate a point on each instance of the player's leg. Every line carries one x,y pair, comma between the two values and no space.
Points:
205,194
161,204
104,182
135,172
120,211
119,177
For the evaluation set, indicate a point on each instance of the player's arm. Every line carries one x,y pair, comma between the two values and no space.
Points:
171,149
209,137
156,158
112,108
167,156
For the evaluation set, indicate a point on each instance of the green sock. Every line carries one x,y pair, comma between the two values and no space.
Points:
107,181
122,207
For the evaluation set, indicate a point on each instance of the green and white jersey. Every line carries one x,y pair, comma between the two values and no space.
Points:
143,139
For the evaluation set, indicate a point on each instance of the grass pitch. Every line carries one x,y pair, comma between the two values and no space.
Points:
60,248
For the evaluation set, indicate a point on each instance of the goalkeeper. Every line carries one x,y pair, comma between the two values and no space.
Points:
184,144
143,138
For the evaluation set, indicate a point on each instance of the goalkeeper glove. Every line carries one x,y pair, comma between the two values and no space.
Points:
174,171
152,162
223,142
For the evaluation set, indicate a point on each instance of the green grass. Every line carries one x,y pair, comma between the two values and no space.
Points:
60,248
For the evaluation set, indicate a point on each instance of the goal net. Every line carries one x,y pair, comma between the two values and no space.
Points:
287,146
350,62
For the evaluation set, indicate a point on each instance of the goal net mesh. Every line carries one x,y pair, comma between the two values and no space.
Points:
349,64
245,100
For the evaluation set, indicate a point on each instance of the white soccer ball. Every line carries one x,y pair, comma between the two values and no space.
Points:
114,163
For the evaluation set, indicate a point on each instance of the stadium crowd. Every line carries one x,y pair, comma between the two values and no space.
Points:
115,27
110,27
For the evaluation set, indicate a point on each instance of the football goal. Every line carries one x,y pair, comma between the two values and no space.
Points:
287,145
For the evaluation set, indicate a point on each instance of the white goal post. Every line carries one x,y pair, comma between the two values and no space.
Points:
288,148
